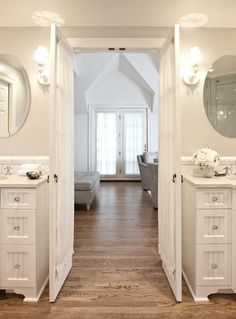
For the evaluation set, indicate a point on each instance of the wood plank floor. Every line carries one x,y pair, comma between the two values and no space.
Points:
116,268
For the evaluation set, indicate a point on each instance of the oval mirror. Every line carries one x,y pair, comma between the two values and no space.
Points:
15,96
220,95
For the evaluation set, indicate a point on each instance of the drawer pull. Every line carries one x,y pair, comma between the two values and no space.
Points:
17,266
17,199
17,228
214,198
214,266
214,227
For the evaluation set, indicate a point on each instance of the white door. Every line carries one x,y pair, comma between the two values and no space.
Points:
4,109
119,136
61,203
169,176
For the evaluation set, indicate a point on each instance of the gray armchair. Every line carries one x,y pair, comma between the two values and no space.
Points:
153,170
149,175
145,173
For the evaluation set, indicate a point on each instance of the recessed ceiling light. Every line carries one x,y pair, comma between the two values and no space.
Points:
193,20
46,18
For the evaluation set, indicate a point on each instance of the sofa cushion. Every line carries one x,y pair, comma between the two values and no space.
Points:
84,181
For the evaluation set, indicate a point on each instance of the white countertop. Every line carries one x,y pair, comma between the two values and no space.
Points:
215,181
21,181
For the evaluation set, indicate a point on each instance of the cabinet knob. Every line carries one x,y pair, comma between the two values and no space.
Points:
17,199
17,228
214,227
214,198
214,266
17,266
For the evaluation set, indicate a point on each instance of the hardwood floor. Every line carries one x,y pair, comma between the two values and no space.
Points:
116,268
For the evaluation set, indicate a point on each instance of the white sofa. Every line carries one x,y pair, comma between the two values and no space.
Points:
86,186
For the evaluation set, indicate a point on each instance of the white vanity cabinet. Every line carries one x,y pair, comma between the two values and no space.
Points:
208,235
24,236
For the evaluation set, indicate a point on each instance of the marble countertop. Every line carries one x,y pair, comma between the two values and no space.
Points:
200,181
21,181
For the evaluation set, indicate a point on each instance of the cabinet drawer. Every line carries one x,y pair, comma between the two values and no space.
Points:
17,227
214,198
18,266
18,198
213,265
214,227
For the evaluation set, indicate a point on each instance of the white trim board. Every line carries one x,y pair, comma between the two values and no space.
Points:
187,160
94,44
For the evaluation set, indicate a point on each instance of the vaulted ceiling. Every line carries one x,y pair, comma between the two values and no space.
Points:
116,13
96,69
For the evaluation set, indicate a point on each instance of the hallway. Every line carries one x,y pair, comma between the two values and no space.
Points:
116,260
117,271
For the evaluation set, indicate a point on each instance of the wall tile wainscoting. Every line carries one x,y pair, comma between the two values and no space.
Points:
16,161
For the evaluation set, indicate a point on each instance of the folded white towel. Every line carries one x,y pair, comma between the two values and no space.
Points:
24,168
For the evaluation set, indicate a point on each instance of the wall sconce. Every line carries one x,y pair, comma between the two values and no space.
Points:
191,74
41,57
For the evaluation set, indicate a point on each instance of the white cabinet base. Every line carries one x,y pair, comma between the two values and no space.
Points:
24,255
30,294
201,294
208,236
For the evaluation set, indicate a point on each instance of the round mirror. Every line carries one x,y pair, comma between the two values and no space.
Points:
220,95
15,97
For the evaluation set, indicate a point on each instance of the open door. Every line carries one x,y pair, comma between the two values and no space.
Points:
61,179
169,172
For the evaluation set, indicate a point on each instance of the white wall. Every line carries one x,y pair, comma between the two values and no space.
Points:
118,89
32,139
196,129
81,143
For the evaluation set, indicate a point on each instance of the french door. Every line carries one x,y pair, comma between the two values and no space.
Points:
61,179
169,176
119,136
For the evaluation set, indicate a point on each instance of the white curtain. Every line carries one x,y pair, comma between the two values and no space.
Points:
106,143
64,155
134,140
166,190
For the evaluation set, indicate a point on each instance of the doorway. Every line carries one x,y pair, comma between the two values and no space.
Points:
170,254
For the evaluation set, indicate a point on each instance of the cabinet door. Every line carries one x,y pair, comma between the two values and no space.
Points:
17,227
214,227
18,266
214,265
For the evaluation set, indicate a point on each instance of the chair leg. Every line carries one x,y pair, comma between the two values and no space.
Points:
88,206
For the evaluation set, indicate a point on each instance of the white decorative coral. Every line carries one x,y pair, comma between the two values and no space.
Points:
206,157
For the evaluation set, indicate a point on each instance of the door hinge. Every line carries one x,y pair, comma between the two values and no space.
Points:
119,153
182,179
119,117
48,178
56,178
174,178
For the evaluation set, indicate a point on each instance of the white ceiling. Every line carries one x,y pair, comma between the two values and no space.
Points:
96,69
115,13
